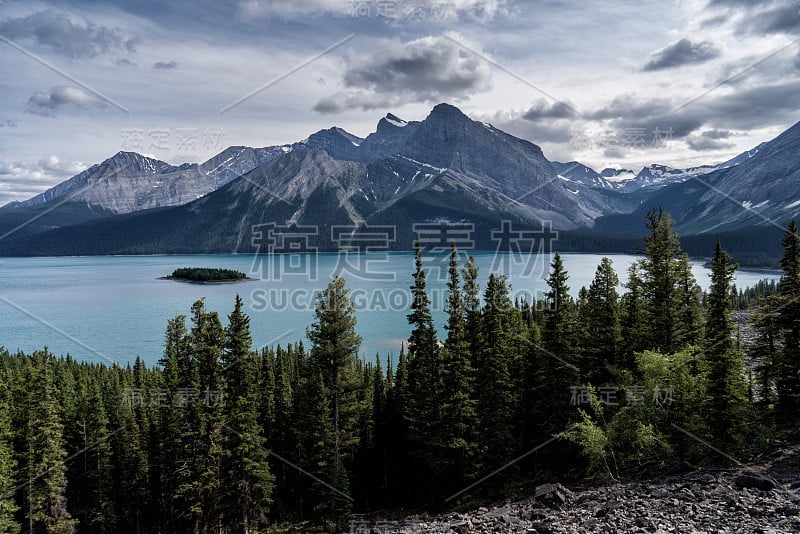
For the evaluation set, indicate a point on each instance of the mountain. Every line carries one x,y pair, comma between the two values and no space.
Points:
128,181
578,172
617,175
446,167
655,176
760,188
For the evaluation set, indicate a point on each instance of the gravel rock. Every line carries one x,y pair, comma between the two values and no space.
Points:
698,501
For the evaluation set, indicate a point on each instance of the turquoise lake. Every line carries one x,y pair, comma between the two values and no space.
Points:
113,308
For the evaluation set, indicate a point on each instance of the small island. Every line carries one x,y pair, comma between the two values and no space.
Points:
204,275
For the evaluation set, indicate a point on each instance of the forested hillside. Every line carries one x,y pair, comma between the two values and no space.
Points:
220,437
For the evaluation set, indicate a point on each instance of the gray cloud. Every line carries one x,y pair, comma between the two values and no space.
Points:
537,131
430,69
398,11
683,52
62,98
543,109
627,112
20,180
717,134
761,16
783,18
614,153
59,33
165,65
748,108
124,62
710,140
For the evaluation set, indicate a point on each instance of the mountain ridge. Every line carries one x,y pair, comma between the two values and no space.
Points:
446,167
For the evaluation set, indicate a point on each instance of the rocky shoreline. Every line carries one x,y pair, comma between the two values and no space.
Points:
762,498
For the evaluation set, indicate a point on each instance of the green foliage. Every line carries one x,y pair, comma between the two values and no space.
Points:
590,437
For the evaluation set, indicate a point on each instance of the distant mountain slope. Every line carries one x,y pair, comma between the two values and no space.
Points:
578,172
760,189
129,182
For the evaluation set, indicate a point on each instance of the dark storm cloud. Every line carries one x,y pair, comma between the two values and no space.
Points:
743,109
430,69
62,98
165,65
683,52
648,116
756,107
61,34
547,110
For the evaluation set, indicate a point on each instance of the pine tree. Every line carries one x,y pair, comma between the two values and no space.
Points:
46,503
97,463
315,446
335,346
633,321
283,436
398,416
688,304
424,378
495,390
558,328
726,391
247,480
207,341
604,335
458,409
8,464
764,348
788,371
658,267
554,360
472,308
180,496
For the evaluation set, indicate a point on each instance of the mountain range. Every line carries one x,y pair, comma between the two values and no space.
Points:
446,168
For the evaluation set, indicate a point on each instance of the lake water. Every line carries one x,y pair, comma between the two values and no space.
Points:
113,308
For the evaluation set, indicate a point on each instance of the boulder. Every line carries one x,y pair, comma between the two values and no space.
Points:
752,480
552,495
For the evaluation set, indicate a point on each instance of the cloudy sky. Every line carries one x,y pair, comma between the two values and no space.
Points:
622,83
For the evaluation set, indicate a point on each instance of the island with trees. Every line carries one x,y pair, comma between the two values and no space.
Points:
205,275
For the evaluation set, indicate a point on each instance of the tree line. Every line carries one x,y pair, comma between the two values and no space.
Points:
220,437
